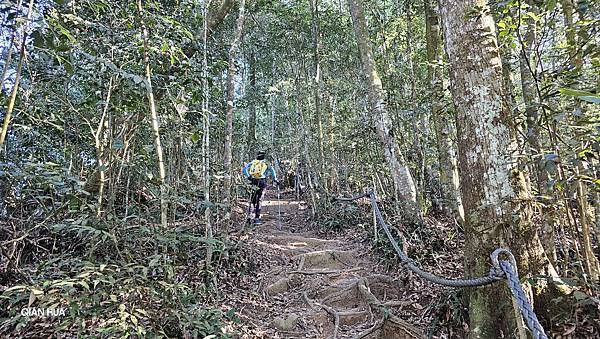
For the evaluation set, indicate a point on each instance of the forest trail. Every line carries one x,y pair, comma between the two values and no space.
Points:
306,286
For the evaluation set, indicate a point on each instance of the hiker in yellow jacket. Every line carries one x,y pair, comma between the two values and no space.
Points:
257,171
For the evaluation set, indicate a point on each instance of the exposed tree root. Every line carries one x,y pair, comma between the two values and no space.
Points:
390,319
310,272
388,325
330,310
332,288
369,331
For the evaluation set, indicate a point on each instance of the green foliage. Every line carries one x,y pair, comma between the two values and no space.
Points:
449,312
583,95
100,254
340,216
136,281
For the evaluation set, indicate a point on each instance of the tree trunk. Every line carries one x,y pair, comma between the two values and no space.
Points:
251,137
418,128
208,230
495,194
155,122
403,181
9,53
490,190
592,266
99,143
217,17
306,161
575,57
15,88
333,175
527,69
231,70
314,9
442,122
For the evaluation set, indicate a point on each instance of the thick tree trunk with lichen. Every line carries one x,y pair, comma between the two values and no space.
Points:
495,194
403,180
483,140
444,127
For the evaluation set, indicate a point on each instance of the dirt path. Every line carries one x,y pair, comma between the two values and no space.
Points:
309,287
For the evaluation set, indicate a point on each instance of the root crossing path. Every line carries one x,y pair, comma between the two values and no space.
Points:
306,286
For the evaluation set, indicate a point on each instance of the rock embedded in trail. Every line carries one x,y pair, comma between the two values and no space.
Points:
333,259
286,323
280,286
323,288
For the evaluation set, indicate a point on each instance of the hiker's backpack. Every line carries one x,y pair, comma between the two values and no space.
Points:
257,169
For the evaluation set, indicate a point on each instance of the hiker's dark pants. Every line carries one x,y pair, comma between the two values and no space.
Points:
257,195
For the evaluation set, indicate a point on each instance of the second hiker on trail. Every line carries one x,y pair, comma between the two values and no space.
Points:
257,171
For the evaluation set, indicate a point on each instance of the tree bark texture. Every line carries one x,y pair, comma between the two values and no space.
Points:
314,8
231,70
155,122
403,181
251,137
443,124
208,229
215,18
484,139
15,88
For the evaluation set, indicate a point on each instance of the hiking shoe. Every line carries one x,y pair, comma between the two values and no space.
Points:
258,222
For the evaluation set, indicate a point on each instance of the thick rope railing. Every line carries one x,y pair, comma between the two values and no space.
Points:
499,271
512,277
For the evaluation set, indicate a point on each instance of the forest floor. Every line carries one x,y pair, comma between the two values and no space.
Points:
312,285
301,282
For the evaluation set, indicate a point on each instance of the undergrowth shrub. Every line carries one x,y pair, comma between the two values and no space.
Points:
116,280
337,216
449,313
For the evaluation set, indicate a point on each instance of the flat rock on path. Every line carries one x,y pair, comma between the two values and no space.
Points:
309,287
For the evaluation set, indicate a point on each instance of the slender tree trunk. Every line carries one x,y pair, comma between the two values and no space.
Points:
273,120
403,181
417,126
155,122
592,267
575,57
251,137
15,89
591,262
442,122
206,138
100,147
306,160
333,174
231,70
527,68
11,44
314,8
8,60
